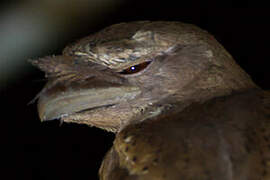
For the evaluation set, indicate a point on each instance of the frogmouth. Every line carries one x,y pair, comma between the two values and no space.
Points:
180,106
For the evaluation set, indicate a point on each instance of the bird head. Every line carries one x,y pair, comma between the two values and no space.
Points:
130,72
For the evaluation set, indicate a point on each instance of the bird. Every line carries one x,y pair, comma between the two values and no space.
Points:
178,103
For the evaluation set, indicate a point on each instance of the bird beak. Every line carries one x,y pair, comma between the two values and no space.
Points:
62,99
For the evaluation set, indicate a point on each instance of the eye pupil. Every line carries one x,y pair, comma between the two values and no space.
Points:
135,68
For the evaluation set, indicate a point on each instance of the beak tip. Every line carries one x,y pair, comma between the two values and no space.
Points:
42,117
42,112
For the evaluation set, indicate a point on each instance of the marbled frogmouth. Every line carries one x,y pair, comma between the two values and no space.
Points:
180,106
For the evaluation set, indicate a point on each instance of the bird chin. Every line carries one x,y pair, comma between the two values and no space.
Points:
108,117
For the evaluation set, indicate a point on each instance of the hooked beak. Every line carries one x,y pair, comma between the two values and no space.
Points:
64,99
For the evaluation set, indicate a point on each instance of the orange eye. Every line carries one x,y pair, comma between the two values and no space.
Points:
135,68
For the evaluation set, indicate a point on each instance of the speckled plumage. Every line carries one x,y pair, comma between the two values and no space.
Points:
190,113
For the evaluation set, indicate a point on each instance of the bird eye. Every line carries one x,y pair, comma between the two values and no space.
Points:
135,68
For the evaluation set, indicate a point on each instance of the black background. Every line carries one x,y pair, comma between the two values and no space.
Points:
34,150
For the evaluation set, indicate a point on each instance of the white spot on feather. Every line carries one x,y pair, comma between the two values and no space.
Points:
209,53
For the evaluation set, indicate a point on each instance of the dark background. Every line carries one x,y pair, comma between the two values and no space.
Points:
34,150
